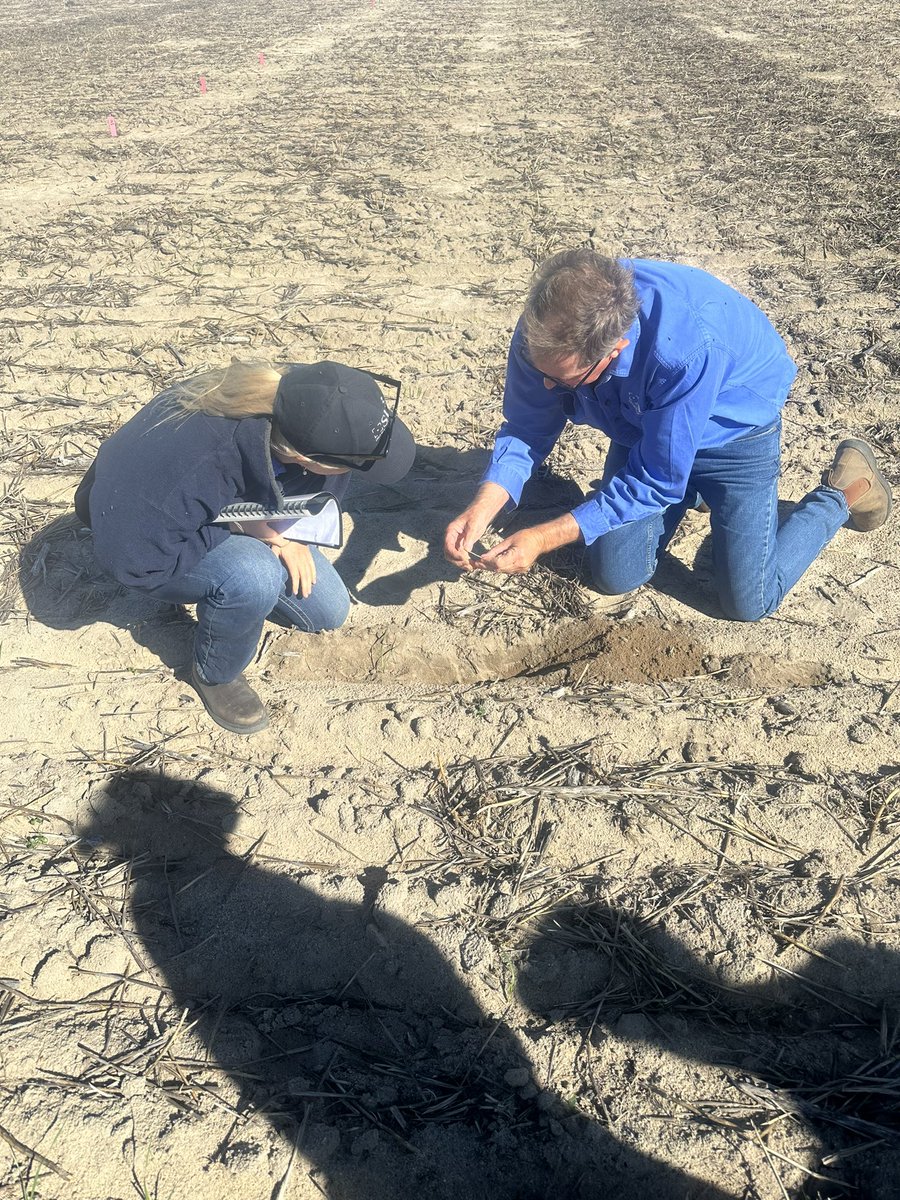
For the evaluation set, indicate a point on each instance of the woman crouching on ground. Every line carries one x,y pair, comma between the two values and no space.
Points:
248,433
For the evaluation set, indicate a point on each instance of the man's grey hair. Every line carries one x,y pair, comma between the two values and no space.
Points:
579,305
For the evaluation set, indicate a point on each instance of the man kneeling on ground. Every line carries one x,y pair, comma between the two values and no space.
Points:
687,378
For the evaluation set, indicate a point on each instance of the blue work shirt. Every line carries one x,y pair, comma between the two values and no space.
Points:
703,366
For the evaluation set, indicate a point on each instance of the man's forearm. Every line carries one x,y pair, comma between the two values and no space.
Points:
562,531
489,500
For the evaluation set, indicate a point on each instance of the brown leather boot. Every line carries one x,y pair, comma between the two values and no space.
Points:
855,473
235,706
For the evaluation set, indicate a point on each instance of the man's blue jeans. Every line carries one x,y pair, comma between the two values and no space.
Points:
756,560
235,587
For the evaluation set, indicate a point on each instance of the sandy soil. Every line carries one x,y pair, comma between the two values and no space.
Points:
523,893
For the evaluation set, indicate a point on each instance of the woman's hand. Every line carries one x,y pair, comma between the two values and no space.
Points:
297,557
301,566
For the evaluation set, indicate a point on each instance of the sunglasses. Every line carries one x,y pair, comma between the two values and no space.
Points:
364,462
574,386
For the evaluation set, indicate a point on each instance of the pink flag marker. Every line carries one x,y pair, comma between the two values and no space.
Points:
111,126
203,85
262,60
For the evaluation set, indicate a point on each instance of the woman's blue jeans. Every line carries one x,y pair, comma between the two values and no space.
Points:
756,560
235,587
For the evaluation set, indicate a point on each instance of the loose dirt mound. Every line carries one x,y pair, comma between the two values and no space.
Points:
592,651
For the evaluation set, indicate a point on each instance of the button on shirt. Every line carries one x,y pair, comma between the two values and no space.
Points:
703,366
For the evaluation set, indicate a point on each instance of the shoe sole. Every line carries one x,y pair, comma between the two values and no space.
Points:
866,451
262,723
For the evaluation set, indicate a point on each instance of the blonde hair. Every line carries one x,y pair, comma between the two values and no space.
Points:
242,389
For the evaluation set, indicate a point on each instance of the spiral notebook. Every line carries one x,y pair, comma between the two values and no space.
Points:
316,519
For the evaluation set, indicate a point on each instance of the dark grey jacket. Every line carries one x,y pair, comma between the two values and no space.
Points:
159,482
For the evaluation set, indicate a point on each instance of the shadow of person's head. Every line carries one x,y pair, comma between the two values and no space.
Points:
158,818
598,960
824,1034
266,930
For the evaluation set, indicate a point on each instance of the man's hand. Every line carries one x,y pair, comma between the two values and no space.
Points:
301,566
465,530
462,534
516,554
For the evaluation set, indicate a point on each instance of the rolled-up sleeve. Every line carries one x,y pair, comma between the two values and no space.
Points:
533,419
659,464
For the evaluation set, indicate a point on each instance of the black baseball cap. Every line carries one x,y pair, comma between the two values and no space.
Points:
338,416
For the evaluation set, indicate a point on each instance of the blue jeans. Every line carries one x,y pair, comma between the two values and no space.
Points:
235,587
756,560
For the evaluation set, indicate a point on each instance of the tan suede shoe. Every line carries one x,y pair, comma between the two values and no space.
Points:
235,706
855,471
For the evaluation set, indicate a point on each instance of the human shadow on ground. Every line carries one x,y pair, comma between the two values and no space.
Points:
823,1043
418,508
64,588
441,484
342,1023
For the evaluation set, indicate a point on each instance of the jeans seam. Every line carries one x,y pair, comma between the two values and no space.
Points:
773,498
207,643
756,434
649,563
296,611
